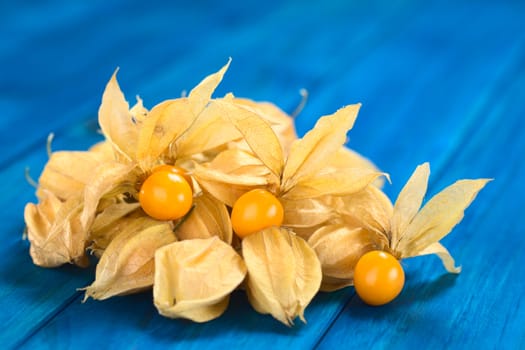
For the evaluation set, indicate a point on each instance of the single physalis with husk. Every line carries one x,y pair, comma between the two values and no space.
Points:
200,196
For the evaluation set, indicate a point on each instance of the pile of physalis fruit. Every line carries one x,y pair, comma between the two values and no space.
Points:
200,196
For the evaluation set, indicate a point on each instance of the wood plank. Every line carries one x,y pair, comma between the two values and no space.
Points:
49,95
40,90
35,296
481,308
62,320
29,294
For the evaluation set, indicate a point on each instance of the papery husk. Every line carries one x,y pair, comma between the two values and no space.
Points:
256,132
306,232
116,122
304,215
415,231
169,120
112,213
111,222
127,264
104,150
332,182
348,158
310,154
55,232
239,162
165,122
439,216
106,177
138,111
369,208
193,278
339,247
209,218
225,187
284,273
208,133
67,173
409,201
443,254
281,123
345,157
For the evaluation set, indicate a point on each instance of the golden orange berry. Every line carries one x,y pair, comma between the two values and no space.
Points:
378,277
165,195
177,170
255,210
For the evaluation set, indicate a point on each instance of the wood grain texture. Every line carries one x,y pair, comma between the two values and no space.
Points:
439,82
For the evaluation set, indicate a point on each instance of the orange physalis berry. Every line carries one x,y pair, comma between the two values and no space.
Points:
378,277
165,195
255,210
177,170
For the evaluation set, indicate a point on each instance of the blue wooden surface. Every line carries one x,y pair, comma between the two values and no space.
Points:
439,82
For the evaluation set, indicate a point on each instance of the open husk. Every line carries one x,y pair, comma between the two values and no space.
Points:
127,265
55,232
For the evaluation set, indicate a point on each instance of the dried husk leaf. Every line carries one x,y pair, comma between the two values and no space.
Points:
201,94
208,132
105,178
281,123
284,273
165,122
309,154
306,232
67,173
193,278
443,254
104,150
348,158
239,162
138,111
305,213
209,218
369,208
127,264
116,121
338,248
112,213
332,183
439,216
54,231
109,223
256,131
225,187
169,120
409,200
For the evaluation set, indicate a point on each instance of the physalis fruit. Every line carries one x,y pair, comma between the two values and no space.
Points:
177,170
165,195
378,278
255,210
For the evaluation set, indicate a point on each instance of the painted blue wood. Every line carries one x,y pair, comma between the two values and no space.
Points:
31,295
27,314
439,82
482,307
